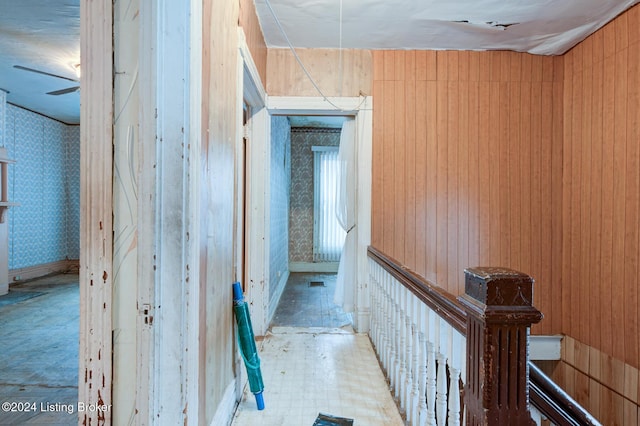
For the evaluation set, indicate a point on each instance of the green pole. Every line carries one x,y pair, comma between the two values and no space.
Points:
247,345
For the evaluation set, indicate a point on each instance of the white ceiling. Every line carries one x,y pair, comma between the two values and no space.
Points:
45,34
544,27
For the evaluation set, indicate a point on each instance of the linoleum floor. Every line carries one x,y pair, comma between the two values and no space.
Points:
39,328
313,362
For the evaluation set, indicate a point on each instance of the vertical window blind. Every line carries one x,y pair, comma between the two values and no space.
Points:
328,235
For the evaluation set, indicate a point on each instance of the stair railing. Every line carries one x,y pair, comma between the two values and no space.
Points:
462,360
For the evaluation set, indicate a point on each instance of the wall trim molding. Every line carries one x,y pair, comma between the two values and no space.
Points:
320,267
227,406
37,271
273,303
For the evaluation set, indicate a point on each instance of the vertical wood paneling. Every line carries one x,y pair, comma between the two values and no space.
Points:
421,173
432,180
377,157
607,203
96,207
493,166
474,166
463,174
285,77
410,167
632,249
467,164
442,167
602,196
518,171
248,20
399,148
219,115
541,200
532,163
619,198
452,179
595,198
388,180
484,170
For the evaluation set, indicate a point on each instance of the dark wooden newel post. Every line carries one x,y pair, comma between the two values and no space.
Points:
499,309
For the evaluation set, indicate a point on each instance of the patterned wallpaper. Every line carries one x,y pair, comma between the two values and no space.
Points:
45,181
72,186
279,204
3,113
301,211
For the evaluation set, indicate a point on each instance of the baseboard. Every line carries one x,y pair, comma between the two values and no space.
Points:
227,406
320,267
37,271
273,303
362,319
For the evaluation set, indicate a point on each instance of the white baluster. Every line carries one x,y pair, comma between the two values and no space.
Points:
387,325
372,303
454,397
422,381
415,367
380,318
457,353
397,330
431,368
422,388
441,389
392,335
408,387
375,308
402,325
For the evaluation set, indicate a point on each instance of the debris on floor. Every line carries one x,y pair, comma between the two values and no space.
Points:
329,420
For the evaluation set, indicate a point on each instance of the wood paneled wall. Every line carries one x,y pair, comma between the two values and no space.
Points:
467,165
248,20
349,76
496,158
601,190
219,122
607,386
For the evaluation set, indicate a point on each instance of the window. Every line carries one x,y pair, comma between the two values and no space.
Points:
328,235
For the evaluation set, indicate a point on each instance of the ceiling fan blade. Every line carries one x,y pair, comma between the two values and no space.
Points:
64,91
20,67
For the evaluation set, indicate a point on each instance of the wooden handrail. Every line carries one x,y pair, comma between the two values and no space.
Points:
436,298
552,401
545,395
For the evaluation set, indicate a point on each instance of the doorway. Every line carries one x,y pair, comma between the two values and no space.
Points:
305,236
361,109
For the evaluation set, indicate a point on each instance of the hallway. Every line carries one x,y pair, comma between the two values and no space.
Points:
312,362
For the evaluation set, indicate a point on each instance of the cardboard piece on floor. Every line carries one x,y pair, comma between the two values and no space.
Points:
329,420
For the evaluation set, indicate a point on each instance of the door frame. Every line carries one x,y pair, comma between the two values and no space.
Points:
361,109
256,209
160,346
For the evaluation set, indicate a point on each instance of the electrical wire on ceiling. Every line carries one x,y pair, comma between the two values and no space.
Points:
304,69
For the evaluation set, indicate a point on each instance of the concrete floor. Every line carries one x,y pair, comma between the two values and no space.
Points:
39,327
305,305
